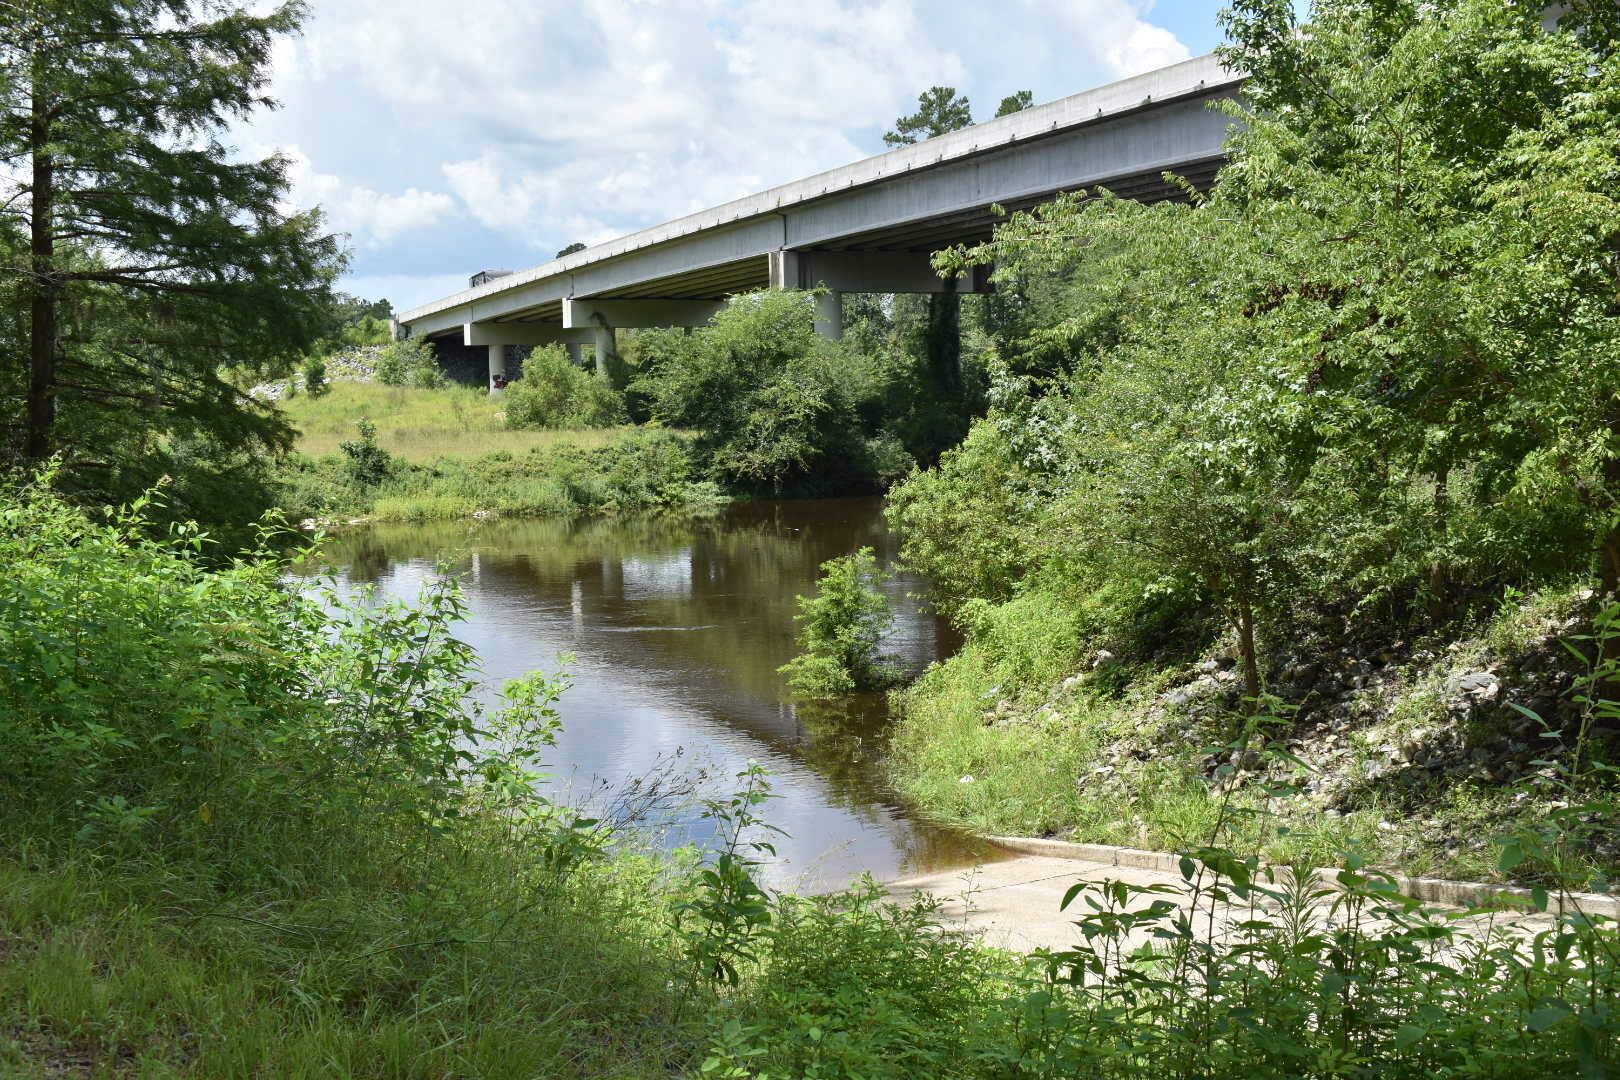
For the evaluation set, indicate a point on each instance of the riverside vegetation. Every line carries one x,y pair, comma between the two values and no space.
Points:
1336,446
255,829
1296,500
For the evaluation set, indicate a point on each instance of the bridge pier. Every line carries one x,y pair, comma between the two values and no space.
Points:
603,343
497,364
830,314
576,354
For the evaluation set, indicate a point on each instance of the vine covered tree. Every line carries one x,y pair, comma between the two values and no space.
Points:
147,254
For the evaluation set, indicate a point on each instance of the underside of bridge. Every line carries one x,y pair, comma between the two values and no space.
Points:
919,238
869,227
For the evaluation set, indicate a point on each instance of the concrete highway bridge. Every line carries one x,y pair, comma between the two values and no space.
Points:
865,227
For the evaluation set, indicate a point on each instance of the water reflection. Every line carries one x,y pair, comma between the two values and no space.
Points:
677,629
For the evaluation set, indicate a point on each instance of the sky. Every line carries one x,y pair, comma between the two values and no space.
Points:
446,138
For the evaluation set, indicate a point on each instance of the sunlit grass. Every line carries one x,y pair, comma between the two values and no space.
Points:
419,425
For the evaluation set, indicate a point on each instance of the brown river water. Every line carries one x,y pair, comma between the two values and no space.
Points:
677,629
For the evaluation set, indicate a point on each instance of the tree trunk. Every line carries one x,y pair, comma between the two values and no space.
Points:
945,343
1440,570
42,251
1247,654
1609,585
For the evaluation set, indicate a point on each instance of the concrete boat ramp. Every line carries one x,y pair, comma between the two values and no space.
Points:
1016,903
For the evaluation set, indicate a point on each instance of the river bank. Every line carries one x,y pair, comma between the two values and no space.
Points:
631,472
314,883
1420,757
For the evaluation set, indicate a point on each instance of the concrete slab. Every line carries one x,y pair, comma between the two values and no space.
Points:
1015,904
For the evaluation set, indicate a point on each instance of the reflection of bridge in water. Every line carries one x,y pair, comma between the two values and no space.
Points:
678,628
866,227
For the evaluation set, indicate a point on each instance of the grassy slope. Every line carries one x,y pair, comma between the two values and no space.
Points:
420,425
1003,739
120,972
454,457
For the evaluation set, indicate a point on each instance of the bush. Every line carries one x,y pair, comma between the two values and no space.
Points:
205,703
409,362
840,631
554,392
315,381
767,395
366,463
968,524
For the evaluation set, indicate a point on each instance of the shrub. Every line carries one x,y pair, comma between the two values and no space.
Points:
366,463
840,631
315,381
767,395
556,393
149,700
967,524
409,362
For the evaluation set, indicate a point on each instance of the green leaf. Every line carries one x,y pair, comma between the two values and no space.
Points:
1546,1016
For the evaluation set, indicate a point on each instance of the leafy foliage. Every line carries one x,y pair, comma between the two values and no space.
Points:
771,399
315,380
204,702
554,392
148,254
410,362
366,463
1373,368
841,631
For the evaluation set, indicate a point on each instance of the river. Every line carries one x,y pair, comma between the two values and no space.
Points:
677,629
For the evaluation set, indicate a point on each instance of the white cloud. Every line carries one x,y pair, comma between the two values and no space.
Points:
371,218
456,136
1146,47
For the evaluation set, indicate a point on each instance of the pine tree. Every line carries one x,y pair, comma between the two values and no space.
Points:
940,109
152,255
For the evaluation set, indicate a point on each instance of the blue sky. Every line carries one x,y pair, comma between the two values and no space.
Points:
445,138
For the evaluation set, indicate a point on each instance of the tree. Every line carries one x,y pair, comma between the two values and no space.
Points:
940,109
1017,101
154,257
1459,162
771,400
1379,360
570,249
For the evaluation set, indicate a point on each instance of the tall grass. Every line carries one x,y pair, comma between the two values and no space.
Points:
420,425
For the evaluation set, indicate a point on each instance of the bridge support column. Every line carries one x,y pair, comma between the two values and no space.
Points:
830,314
497,363
604,345
576,353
